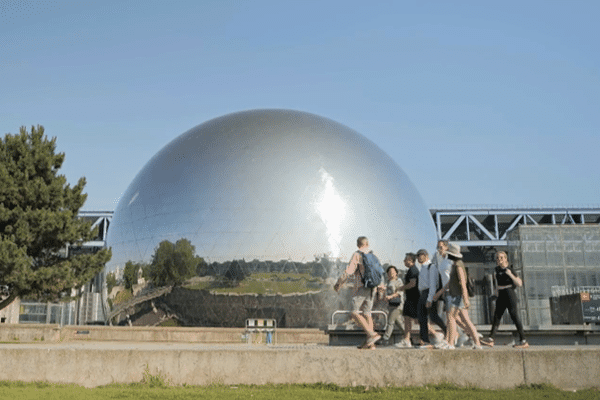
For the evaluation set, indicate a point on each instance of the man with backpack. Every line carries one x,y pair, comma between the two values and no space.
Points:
366,271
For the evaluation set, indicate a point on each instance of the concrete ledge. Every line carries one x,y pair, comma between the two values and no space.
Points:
92,364
183,335
555,335
27,333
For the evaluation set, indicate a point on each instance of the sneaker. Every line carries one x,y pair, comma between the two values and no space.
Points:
487,342
437,338
373,339
425,346
442,344
477,347
521,345
403,344
462,340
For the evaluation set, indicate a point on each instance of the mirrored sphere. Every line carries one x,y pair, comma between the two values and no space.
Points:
269,191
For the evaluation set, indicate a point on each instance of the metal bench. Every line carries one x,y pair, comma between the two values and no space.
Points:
344,334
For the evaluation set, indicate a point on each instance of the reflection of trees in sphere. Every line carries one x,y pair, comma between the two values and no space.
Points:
270,196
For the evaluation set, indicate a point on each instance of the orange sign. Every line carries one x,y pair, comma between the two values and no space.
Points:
585,296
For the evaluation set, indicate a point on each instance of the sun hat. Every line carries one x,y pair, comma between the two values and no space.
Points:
454,250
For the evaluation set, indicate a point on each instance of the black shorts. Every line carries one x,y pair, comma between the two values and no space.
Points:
410,309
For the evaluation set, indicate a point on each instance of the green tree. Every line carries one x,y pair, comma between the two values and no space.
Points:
201,267
38,221
172,263
111,281
235,273
130,274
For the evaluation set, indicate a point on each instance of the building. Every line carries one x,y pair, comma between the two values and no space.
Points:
89,306
555,250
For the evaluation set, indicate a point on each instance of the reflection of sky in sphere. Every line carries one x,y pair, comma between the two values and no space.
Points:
330,207
270,185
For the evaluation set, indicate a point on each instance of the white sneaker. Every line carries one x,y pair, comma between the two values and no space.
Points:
477,347
403,344
521,344
443,345
437,338
462,340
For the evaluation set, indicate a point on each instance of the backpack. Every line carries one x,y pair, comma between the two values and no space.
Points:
373,270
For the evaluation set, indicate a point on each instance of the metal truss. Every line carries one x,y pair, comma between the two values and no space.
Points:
100,222
476,226
489,227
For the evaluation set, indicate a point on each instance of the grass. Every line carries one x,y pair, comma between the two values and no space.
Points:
265,283
155,387
123,296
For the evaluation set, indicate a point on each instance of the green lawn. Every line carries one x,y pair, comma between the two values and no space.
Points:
155,388
265,283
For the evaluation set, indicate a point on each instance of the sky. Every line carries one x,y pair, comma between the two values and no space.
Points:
493,104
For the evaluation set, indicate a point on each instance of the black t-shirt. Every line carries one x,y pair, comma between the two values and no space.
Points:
502,278
412,273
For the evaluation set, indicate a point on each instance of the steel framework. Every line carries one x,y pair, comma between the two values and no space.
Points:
101,222
481,227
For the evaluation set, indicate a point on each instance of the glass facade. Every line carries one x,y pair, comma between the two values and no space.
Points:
47,313
552,259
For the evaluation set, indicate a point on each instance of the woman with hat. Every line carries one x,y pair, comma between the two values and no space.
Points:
457,299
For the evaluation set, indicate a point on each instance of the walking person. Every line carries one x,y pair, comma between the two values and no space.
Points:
457,300
411,291
506,280
395,299
362,299
426,307
444,266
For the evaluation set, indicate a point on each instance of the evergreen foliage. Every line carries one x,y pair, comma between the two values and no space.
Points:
38,221
172,263
130,274
111,281
235,273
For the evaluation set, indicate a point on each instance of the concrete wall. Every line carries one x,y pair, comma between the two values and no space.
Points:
99,363
20,333
25,333
10,314
297,310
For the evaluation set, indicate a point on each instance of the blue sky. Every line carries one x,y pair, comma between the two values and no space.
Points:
480,103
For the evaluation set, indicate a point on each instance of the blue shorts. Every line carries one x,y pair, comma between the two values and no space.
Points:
454,302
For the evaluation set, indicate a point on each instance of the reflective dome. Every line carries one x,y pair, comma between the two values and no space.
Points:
271,186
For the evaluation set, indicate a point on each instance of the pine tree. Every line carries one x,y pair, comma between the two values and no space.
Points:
38,221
